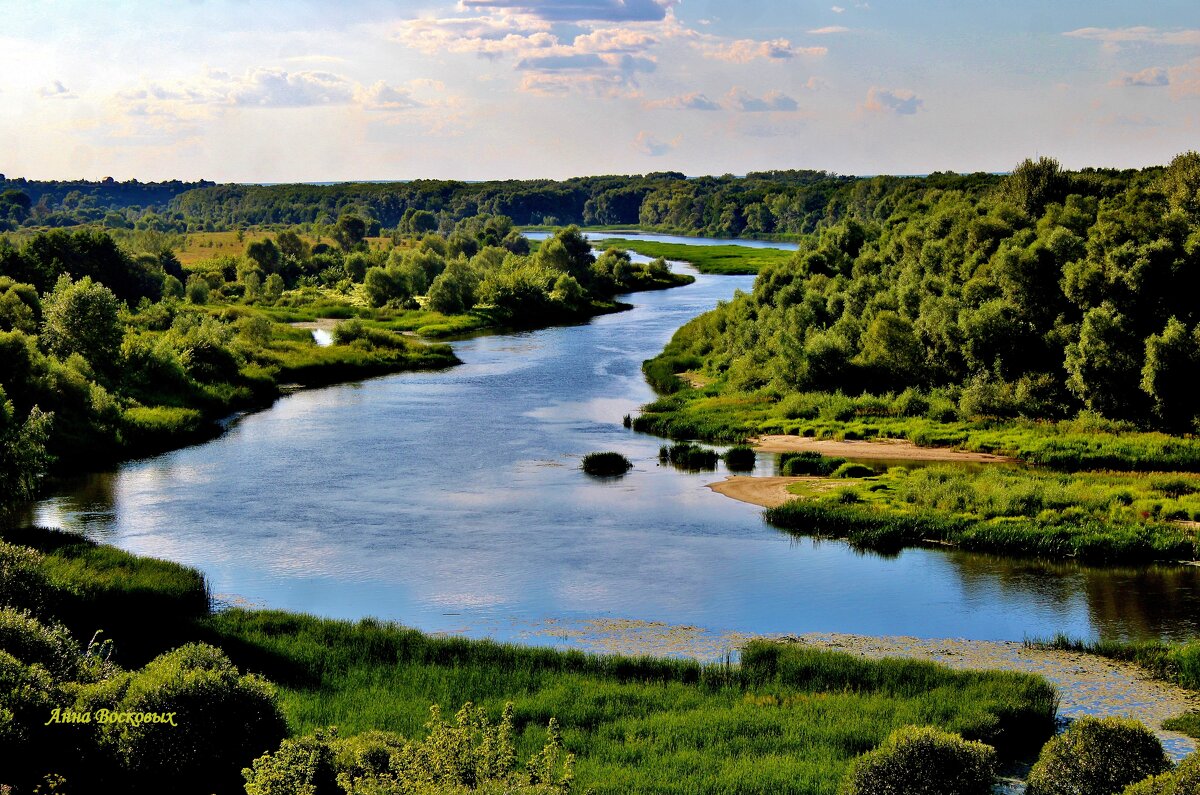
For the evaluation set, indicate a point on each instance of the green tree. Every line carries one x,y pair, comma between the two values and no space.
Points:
1035,183
83,317
350,231
923,761
1181,184
273,288
1097,756
265,254
1103,371
1169,374
24,460
197,290
890,346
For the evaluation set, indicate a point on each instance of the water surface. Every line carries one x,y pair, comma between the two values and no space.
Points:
452,501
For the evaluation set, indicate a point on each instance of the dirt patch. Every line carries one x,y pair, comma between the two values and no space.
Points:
884,449
769,492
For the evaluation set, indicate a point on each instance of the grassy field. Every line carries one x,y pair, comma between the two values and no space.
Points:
727,260
787,719
1098,517
1085,443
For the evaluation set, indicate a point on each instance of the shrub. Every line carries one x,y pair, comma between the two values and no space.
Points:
740,458
1097,756
301,766
28,694
849,470
30,641
223,720
918,760
607,464
23,582
1183,780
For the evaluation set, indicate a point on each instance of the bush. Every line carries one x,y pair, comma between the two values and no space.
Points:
849,470
1097,756
740,458
23,583
301,766
1183,780
918,760
222,721
606,464
27,746
30,641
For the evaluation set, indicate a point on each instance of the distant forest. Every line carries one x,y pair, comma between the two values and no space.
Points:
760,204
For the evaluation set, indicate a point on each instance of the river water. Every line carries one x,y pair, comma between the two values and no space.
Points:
453,502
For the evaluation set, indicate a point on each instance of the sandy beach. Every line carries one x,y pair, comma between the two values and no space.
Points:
882,449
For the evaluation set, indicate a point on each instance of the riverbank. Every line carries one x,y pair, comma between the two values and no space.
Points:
785,716
1087,684
876,449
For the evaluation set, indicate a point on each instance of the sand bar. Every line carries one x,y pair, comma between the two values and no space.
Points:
883,449
769,492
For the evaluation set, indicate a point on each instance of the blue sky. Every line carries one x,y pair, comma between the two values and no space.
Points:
252,90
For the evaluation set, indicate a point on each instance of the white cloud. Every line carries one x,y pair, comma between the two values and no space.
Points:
1154,76
836,9
746,50
1185,79
898,101
692,101
276,88
648,145
829,29
56,90
740,99
579,10
1114,38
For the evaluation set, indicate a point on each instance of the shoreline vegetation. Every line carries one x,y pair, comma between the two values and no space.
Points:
785,718
112,347
1040,319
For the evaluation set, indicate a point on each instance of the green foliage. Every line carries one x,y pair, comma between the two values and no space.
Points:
606,464
301,766
923,761
687,456
1099,756
808,462
223,720
1183,780
851,470
32,642
23,581
82,317
739,459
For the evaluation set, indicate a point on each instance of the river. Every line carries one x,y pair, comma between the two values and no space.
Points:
453,502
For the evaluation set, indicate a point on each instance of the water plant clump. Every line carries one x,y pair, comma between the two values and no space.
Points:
740,458
606,464
688,456
808,462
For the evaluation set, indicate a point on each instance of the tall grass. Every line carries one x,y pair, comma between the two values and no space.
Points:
788,719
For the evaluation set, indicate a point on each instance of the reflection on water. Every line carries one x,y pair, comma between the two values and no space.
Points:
453,501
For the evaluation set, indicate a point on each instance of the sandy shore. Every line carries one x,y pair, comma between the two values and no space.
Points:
883,449
320,324
1087,685
768,492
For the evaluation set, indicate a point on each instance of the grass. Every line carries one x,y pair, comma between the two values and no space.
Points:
1095,516
606,464
1173,662
787,719
1080,444
688,457
728,260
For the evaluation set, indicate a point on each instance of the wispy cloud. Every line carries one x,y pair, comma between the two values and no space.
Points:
829,30
747,50
1154,76
1116,38
692,101
647,144
56,90
898,101
579,10
740,99
837,9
